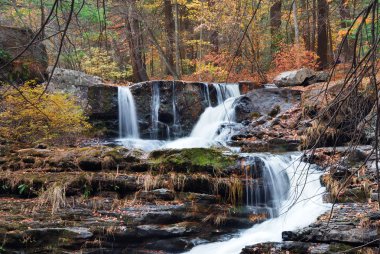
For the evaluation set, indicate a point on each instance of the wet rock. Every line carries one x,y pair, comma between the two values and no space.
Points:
90,164
158,194
41,146
293,78
190,102
149,231
171,245
286,247
200,198
164,194
375,197
344,227
265,102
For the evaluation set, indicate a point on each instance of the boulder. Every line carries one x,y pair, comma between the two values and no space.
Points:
31,64
265,102
294,78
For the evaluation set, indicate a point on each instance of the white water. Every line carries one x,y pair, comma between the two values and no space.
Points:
155,107
302,207
291,195
128,125
205,132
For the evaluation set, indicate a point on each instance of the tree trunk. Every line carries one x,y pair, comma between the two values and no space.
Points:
170,31
306,34
295,20
135,46
42,19
345,16
177,46
314,26
275,24
322,48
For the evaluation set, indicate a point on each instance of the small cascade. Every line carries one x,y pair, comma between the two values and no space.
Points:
294,195
206,131
176,128
266,184
128,125
225,91
210,121
155,107
206,93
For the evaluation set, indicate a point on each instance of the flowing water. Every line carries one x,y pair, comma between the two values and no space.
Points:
294,207
206,132
288,190
128,125
155,107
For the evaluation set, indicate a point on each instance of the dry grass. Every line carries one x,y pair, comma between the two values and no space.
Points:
55,196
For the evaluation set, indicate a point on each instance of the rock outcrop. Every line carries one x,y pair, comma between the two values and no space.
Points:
98,99
125,201
269,117
31,64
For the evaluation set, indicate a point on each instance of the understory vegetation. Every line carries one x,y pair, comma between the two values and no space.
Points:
30,116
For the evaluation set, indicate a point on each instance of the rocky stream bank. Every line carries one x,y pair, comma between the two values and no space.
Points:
112,199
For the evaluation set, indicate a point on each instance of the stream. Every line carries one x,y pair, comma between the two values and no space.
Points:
292,193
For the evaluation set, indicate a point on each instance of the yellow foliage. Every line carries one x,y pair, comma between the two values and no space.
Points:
48,118
98,62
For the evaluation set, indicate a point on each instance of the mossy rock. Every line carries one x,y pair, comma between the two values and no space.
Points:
193,160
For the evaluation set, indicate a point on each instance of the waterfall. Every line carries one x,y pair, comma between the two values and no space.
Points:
205,131
225,91
128,125
176,123
266,183
297,203
155,107
210,121
206,93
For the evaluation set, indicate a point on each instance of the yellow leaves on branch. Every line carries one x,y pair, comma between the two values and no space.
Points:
52,117
99,62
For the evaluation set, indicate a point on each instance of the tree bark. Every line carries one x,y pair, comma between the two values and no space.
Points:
177,46
322,48
314,26
170,31
135,45
306,34
275,24
344,12
295,20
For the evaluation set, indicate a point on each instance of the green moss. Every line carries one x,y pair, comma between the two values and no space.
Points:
339,247
274,112
255,115
193,160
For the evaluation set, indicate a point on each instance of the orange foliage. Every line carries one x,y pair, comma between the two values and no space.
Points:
294,56
214,67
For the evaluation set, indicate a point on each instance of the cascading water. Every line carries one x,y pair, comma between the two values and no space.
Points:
281,186
206,93
266,184
155,107
295,201
128,125
176,123
205,132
